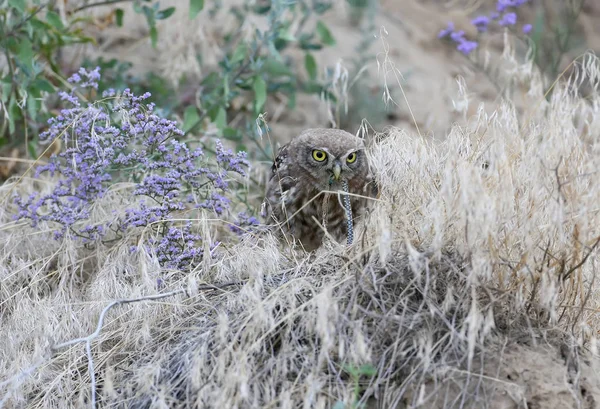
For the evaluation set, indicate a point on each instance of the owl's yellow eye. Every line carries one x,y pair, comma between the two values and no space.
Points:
351,158
319,155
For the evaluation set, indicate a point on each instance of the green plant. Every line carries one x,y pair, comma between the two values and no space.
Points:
30,37
260,68
356,373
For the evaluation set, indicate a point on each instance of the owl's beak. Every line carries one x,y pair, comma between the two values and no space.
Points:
337,170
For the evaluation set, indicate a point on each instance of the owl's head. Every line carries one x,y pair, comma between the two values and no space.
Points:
330,156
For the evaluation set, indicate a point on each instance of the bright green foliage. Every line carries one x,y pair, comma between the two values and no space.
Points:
196,7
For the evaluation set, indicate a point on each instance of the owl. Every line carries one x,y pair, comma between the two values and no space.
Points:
313,163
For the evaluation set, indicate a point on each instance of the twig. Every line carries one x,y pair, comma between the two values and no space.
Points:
88,340
582,262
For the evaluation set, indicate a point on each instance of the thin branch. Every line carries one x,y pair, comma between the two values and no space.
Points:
582,262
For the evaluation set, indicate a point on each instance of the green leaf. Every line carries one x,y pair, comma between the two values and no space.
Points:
196,7
33,106
276,68
153,36
305,42
43,85
31,149
5,91
213,112
18,4
260,93
367,370
311,46
311,66
166,13
14,112
240,53
313,87
221,119
231,134
325,34
287,35
210,80
292,100
40,25
119,16
149,13
352,370
358,3
54,20
190,118
260,9
25,53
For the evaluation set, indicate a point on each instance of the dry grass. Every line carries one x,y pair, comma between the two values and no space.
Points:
483,242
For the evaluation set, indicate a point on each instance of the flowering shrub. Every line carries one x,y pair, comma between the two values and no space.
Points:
120,138
504,16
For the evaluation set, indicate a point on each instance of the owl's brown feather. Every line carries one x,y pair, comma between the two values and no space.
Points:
297,182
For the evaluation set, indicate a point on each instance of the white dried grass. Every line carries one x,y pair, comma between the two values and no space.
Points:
467,248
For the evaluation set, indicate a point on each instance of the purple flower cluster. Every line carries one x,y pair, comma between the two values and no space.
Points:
244,223
503,16
177,246
122,139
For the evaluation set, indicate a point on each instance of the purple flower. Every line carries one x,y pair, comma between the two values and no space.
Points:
502,5
458,36
509,19
481,22
494,15
244,224
466,46
123,140
527,28
447,31
177,247
230,161
86,79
